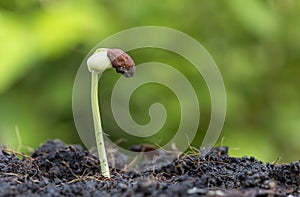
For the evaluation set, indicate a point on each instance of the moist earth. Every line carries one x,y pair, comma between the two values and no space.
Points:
56,169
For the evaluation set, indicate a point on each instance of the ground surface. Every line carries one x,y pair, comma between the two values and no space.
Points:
56,169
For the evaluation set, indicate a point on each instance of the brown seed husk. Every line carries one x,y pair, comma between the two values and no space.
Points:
122,62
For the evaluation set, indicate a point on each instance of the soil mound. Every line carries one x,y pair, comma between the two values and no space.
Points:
56,169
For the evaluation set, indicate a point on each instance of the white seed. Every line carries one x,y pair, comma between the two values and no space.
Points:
99,62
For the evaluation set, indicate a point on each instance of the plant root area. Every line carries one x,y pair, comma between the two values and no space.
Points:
56,169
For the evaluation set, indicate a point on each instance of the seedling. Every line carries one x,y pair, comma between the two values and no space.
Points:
97,63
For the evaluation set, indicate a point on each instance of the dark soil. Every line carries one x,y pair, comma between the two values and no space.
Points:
56,169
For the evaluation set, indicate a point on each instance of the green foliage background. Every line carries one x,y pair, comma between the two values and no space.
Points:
256,45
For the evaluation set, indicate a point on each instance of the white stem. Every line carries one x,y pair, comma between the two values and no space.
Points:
98,127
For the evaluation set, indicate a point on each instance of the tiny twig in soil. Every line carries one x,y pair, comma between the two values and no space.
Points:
17,153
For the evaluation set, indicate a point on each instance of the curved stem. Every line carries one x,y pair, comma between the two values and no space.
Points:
98,127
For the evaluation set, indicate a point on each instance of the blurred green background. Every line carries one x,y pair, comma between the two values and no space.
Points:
256,45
